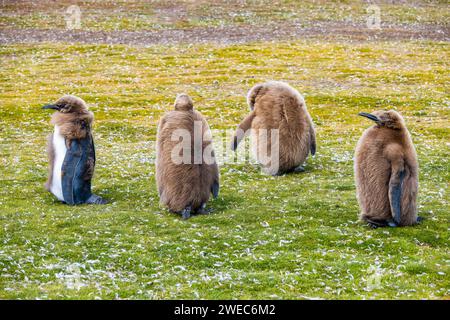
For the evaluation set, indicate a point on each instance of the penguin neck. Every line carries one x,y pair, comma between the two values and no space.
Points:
60,117
73,125
400,135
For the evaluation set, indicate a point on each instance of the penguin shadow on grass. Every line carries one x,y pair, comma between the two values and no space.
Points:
376,224
105,197
304,168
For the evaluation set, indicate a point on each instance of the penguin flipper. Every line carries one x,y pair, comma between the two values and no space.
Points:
242,130
215,189
312,134
395,194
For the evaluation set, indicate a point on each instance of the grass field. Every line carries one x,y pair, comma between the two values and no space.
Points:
163,14
288,237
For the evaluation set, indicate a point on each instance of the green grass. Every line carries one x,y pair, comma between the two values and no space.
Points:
294,236
145,15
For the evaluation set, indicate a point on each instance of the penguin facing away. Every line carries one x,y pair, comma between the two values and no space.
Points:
386,172
278,109
185,186
71,152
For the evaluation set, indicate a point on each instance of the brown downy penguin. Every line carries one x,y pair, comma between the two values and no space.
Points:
386,172
185,177
71,152
278,111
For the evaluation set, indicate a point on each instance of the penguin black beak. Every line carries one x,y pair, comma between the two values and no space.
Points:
51,106
370,116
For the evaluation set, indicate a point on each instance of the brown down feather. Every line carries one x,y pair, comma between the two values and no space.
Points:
182,185
383,150
276,105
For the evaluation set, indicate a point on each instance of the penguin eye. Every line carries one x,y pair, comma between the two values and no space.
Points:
384,119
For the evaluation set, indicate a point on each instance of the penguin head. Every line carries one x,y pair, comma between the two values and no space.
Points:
68,104
389,119
183,102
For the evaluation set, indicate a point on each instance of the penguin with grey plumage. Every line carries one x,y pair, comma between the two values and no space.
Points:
71,152
386,172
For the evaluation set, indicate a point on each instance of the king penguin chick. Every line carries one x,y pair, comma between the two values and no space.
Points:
281,127
71,152
386,172
186,172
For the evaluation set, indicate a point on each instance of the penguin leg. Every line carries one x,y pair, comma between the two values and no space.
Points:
186,213
242,130
94,199
203,210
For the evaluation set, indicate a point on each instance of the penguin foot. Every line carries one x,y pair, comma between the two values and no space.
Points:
299,169
392,223
203,209
186,213
374,224
94,199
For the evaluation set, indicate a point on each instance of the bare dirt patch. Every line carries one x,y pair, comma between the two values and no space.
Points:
230,34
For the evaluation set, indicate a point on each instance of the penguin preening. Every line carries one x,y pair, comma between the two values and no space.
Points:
185,186
386,172
71,152
278,112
